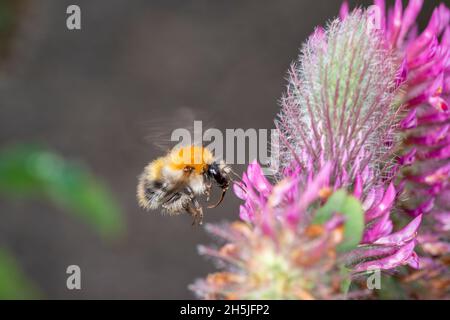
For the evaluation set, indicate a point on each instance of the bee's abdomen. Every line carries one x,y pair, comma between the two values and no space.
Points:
150,193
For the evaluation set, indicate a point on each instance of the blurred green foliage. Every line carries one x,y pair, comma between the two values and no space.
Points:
29,171
347,205
13,283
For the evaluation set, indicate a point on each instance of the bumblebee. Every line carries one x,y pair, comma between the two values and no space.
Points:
175,181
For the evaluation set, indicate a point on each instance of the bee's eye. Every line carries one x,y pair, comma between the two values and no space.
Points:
212,171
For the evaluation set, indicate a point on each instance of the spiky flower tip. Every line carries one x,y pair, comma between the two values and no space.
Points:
426,148
340,104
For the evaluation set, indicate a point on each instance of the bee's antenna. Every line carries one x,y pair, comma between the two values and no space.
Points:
239,182
239,179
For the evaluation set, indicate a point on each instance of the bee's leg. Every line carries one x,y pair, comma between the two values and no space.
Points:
196,211
208,185
194,208
175,203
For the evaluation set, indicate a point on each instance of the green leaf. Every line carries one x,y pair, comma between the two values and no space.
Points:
13,283
347,205
354,223
29,171
333,204
391,289
346,279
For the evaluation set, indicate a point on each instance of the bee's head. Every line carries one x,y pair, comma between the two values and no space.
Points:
218,172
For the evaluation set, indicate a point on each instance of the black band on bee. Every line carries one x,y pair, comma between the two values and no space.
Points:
155,189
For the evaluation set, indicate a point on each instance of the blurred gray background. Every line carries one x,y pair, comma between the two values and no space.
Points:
91,96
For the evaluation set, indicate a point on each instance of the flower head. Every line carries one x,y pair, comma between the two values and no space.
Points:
363,127
300,241
343,107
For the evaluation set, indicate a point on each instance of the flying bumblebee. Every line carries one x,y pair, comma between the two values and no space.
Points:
175,181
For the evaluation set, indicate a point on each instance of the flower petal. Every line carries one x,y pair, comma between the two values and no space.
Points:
399,258
257,178
239,191
343,12
406,234
384,205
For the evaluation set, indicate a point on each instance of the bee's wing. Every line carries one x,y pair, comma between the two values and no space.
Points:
158,130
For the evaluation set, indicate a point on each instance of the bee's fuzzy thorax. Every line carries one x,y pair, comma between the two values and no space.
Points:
196,157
